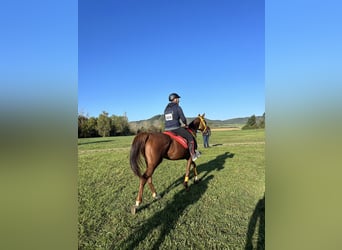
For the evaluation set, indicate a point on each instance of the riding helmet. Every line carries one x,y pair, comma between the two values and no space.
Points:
173,96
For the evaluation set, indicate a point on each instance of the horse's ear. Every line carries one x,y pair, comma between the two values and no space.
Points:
199,114
203,115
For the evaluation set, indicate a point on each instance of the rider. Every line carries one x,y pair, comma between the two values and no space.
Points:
173,113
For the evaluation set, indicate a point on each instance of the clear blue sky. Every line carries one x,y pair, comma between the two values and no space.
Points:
212,54
133,54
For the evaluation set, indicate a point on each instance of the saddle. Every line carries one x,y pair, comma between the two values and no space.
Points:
181,140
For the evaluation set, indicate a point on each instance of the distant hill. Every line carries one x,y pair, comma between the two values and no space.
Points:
157,123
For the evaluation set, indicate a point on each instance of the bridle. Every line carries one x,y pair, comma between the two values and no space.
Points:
202,126
202,123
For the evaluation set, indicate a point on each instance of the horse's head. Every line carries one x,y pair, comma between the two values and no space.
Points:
199,123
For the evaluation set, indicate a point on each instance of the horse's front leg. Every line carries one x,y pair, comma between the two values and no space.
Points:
187,173
196,180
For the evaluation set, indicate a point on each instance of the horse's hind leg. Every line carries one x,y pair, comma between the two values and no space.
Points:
153,190
146,177
140,193
142,183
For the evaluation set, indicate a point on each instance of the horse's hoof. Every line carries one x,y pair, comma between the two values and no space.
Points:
196,181
157,197
186,186
134,209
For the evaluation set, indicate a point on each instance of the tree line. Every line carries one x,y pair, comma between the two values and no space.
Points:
104,125
254,123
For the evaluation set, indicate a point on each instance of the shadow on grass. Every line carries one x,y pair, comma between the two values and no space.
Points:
91,142
258,214
167,218
216,164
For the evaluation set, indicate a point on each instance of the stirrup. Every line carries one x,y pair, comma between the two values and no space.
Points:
194,157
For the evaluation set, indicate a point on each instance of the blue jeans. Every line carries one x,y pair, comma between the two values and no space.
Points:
206,141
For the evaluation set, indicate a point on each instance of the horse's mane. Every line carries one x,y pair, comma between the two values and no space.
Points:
192,124
196,123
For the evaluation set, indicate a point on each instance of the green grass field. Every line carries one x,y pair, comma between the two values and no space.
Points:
224,211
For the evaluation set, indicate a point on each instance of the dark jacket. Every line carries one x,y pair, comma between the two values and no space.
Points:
207,132
173,113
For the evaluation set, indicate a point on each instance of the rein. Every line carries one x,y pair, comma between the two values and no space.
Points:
192,132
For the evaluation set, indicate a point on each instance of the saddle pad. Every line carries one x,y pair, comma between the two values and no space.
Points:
182,141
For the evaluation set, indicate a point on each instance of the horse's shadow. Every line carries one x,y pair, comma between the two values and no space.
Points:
215,164
167,218
258,214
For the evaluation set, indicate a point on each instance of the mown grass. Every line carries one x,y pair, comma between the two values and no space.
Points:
224,211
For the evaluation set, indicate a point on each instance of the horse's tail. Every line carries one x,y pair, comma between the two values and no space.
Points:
138,149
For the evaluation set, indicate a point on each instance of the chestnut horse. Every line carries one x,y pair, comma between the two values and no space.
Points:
153,147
